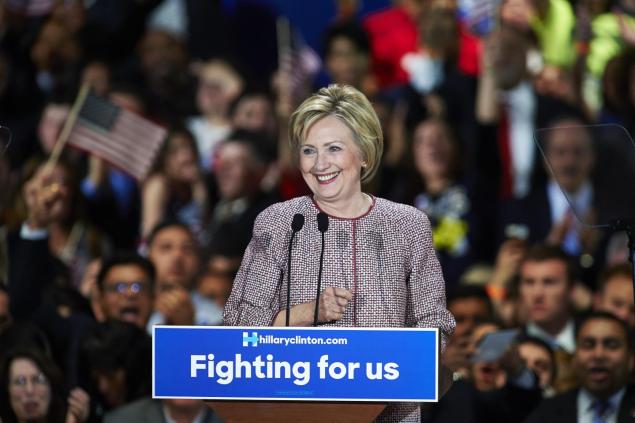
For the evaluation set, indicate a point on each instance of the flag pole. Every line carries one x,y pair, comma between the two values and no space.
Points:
66,130
283,37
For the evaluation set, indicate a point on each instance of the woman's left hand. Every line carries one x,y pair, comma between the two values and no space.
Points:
333,302
78,406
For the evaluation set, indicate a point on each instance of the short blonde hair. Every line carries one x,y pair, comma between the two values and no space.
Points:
354,110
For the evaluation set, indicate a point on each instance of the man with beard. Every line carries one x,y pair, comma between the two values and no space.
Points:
603,362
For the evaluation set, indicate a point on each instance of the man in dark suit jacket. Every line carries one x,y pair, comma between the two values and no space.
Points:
547,215
150,410
603,362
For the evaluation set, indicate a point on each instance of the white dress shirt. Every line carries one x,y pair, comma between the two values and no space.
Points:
586,411
565,339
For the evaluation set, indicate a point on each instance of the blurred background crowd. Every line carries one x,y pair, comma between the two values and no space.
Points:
91,258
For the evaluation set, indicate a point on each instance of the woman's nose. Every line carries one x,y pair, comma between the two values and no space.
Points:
321,162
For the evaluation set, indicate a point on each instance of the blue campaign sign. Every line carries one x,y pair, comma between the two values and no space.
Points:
309,364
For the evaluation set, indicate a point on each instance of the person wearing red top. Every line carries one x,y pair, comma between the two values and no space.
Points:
393,32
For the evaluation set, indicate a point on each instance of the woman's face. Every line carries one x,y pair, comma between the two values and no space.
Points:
432,150
331,161
29,390
180,162
539,360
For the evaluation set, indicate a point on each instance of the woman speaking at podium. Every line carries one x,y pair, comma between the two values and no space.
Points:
372,259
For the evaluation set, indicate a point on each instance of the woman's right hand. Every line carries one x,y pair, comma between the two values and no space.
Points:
332,305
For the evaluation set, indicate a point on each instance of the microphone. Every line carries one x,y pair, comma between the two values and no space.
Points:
323,226
296,225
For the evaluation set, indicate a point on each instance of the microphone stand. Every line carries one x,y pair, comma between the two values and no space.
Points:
319,284
323,225
296,225
289,280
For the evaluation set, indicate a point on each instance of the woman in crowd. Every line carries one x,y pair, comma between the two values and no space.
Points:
31,391
437,191
175,190
380,269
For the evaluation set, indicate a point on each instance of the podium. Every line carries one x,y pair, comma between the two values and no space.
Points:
310,412
264,374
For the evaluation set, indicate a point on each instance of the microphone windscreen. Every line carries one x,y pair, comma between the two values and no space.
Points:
323,222
298,222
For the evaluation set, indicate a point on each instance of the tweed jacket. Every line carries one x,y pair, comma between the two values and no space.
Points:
385,257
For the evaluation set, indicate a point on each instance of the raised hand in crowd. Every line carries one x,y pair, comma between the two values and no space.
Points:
511,362
588,235
508,260
43,195
78,406
457,355
176,306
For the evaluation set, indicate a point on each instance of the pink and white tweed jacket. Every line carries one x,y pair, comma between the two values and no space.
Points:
385,257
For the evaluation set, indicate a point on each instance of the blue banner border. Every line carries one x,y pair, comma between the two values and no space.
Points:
335,329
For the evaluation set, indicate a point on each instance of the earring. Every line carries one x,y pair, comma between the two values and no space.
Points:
364,164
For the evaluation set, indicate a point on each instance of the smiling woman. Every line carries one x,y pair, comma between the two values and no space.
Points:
331,164
380,269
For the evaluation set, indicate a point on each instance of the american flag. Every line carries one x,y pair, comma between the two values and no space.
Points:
298,62
122,138
480,16
300,65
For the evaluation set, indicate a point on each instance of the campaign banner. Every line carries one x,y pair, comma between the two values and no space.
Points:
308,364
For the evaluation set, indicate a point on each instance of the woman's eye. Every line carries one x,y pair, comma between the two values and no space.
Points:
307,151
334,148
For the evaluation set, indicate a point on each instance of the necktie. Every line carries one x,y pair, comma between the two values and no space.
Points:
600,411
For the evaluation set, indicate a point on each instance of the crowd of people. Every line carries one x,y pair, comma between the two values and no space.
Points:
509,129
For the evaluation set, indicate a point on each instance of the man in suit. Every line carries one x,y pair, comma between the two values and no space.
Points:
150,410
570,156
603,362
545,291
547,215
242,164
